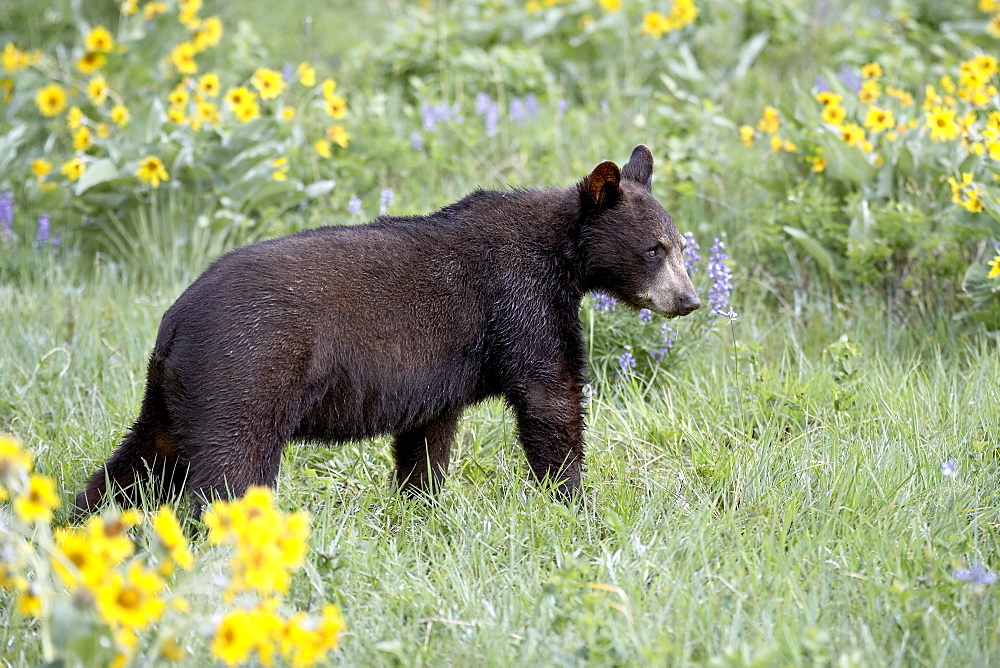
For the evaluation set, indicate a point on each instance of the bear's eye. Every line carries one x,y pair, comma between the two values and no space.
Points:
651,252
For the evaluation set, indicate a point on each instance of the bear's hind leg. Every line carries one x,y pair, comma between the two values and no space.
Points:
423,454
224,468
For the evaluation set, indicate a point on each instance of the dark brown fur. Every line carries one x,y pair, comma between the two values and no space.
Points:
394,327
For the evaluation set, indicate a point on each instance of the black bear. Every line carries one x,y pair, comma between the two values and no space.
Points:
394,327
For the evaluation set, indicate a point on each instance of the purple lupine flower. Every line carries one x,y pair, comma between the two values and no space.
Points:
604,302
483,102
354,205
722,283
669,334
417,141
627,362
691,254
821,84
976,575
850,78
288,72
7,214
531,105
385,201
645,315
562,106
516,112
996,244
456,113
949,467
604,106
428,116
42,234
492,119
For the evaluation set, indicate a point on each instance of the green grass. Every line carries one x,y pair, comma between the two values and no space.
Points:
777,504
738,518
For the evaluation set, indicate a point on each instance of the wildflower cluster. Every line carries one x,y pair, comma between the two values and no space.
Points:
132,600
85,106
260,569
866,129
655,24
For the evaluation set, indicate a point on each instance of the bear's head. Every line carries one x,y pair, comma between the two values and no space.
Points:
631,245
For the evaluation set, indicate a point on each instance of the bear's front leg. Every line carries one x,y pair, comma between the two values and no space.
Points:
550,428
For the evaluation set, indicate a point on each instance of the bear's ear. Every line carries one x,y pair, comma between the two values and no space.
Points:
603,184
640,167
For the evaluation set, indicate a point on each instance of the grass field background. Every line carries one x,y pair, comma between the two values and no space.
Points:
802,485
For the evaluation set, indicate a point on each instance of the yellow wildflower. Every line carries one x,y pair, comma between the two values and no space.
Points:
182,57
170,536
91,62
82,139
99,39
533,6
74,168
131,601
40,167
208,34
338,135
74,118
13,58
746,135
75,560
268,82
655,24
14,462
281,169
941,122
248,111
852,134
29,600
97,90
239,96
993,26
51,100
179,97
826,98
208,84
286,114
322,147
35,504
818,163
610,5
129,7
770,122
234,638
152,171
329,87
336,107
776,143
870,90
994,265
120,115
306,74
834,114
153,9
871,71
879,119
176,115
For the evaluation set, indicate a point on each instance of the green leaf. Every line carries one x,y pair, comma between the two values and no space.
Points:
975,282
845,162
815,250
319,188
97,173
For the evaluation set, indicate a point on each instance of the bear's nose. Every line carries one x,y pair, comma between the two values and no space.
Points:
688,302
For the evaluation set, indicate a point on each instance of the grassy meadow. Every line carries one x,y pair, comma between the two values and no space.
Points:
813,479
